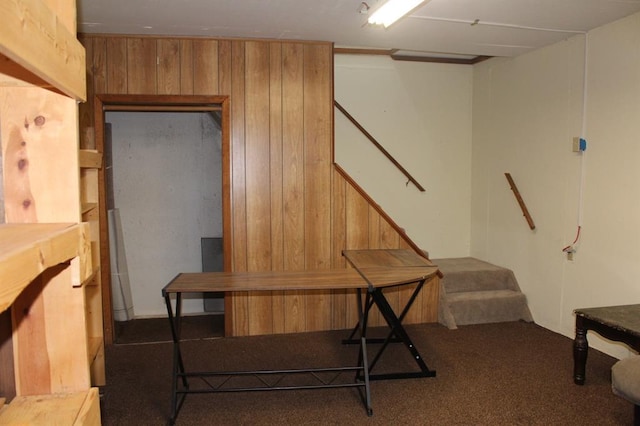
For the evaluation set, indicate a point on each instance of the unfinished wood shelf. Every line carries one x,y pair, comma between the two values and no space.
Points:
78,408
38,49
28,249
88,207
90,159
51,334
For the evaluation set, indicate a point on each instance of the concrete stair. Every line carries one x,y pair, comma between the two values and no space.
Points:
477,292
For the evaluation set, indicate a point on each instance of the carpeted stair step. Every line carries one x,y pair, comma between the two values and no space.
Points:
470,274
473,291
488,306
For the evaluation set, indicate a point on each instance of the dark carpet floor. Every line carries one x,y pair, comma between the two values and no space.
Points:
154,330
494,374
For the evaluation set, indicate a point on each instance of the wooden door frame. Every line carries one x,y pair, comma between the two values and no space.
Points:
160,103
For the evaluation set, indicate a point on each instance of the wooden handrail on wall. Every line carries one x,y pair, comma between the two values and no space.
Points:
380,147
525,212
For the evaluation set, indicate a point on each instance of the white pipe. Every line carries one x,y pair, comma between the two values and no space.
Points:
495,24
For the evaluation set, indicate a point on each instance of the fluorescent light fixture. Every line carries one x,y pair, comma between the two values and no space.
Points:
393,10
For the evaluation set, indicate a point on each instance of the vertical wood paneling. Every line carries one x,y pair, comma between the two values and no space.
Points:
225,76
290,209
339,298
415,313
98,69
240,311
205,67
318,130
275,166
141,66
168,66
117,65
317,172
186,67
257,175
357,217
293,176
374,243
225,71
389,238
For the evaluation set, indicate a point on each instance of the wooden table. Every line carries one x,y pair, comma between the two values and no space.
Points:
373,271
619,323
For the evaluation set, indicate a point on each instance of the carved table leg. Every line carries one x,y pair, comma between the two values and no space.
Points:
580,351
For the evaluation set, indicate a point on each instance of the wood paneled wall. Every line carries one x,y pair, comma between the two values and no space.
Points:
291,209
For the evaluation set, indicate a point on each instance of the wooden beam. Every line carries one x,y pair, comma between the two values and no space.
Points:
39,49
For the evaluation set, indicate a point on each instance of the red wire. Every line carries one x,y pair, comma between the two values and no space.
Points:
574,241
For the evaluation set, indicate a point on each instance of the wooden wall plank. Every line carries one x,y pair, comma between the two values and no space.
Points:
168,65
389,238
318,130
356,235
117,67
293,176
257,174
98,69
141,66
318,107
239,219
186,67
338,226
225,82
205,67
375,316
275,167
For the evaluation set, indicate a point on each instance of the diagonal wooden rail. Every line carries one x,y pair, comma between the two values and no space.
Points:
525,211
377,145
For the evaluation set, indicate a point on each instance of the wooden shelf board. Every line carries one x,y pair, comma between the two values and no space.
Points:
80,408
90,159
28,249
37,48
87,207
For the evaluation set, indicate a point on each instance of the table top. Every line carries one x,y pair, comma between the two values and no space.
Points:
382,268
622,317
385,257
366,262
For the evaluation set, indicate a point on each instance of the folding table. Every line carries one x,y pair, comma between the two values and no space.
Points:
373,271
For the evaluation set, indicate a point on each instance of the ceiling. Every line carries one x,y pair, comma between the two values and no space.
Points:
460,27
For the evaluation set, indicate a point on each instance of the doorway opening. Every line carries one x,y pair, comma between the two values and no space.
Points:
164,209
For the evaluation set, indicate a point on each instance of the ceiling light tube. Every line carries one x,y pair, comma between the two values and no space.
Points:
393,10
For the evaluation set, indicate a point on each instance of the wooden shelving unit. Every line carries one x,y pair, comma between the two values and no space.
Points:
29,249
90,162
51,345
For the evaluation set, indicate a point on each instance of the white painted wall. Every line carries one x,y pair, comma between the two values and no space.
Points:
168,187
421,114
526,110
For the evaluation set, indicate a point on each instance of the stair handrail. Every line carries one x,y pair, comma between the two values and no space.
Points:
377,145
523,207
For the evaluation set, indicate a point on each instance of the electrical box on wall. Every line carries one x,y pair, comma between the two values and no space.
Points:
579,144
